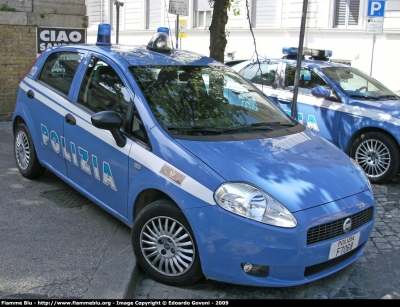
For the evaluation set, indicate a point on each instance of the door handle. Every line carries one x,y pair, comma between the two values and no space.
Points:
70,119
30,94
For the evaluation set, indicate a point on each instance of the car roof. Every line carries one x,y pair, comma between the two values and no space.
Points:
306,63
140,56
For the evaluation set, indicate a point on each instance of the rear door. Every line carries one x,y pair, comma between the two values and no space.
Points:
47,97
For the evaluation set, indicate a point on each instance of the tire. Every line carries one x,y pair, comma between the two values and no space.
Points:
25,154
155,235
378,154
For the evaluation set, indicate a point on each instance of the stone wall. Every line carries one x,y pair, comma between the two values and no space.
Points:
18,22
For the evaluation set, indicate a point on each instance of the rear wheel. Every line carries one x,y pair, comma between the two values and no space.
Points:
164,245
25,154
378,154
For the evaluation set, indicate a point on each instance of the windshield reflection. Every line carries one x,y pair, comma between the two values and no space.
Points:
206,99
357,84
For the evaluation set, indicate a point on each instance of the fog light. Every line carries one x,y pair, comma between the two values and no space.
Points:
247,267
255,270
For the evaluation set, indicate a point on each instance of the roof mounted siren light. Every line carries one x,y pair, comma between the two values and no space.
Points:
314,54
104,35
160,41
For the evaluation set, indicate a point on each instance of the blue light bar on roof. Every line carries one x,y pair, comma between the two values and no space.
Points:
315,53
104,34
289,50
164,30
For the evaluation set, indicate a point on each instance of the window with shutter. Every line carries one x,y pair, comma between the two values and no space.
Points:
153,14
202,13
346,13
263,13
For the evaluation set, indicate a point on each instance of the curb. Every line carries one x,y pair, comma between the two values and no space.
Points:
117,274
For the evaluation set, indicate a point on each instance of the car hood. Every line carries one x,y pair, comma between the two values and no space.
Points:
300,170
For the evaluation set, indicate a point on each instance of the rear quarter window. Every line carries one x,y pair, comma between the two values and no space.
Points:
263,74
59,70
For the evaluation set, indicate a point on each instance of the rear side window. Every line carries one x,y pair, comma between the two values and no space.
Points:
263,74
59,70
308,79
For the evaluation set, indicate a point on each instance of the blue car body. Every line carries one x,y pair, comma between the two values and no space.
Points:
316,182
344,115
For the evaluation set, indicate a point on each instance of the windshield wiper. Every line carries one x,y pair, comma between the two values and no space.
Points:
253,126
197,128
391,97
278,124
261,126
364,97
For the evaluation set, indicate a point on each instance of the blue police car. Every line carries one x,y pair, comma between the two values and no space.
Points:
213,177
341,103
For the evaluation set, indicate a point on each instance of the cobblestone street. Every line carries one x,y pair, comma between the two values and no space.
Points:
376,275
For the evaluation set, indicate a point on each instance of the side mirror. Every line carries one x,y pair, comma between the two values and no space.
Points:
320,91
112,121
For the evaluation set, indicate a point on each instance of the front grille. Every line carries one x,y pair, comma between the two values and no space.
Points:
314,269
334,229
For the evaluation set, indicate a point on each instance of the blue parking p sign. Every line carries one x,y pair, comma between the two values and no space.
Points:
376,8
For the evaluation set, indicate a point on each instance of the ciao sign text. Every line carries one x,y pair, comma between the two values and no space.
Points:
47,37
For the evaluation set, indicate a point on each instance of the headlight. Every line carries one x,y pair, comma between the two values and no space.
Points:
248,201
361,171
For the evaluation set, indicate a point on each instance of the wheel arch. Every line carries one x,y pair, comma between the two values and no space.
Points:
17,121
146,197
369,129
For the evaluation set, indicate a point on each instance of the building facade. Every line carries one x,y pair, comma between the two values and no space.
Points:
337,25
19,20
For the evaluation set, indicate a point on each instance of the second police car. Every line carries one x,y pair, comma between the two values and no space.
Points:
214,179
341,103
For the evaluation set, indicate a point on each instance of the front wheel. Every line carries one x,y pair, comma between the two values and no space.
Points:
25,153
164,245
378,154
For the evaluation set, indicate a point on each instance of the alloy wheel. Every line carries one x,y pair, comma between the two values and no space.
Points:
167,246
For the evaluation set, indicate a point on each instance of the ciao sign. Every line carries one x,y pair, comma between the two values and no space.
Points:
47,37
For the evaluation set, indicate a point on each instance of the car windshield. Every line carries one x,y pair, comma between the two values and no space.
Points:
357,84
210,99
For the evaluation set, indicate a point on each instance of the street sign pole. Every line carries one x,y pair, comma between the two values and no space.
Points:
177,31
299,60
178,7
118,4
375,17
372,56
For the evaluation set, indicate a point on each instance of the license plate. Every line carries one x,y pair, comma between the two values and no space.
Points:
343,246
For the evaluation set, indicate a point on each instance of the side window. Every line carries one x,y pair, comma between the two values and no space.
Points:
138,129
102,89
263,74
59,70
307,81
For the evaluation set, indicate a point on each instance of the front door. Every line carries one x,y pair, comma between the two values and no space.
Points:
322,115
96,164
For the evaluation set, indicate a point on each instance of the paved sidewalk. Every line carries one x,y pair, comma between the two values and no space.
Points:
55,243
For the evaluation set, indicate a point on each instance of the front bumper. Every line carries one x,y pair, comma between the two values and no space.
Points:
227,241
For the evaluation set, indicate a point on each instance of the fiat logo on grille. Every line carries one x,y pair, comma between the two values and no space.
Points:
347,225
